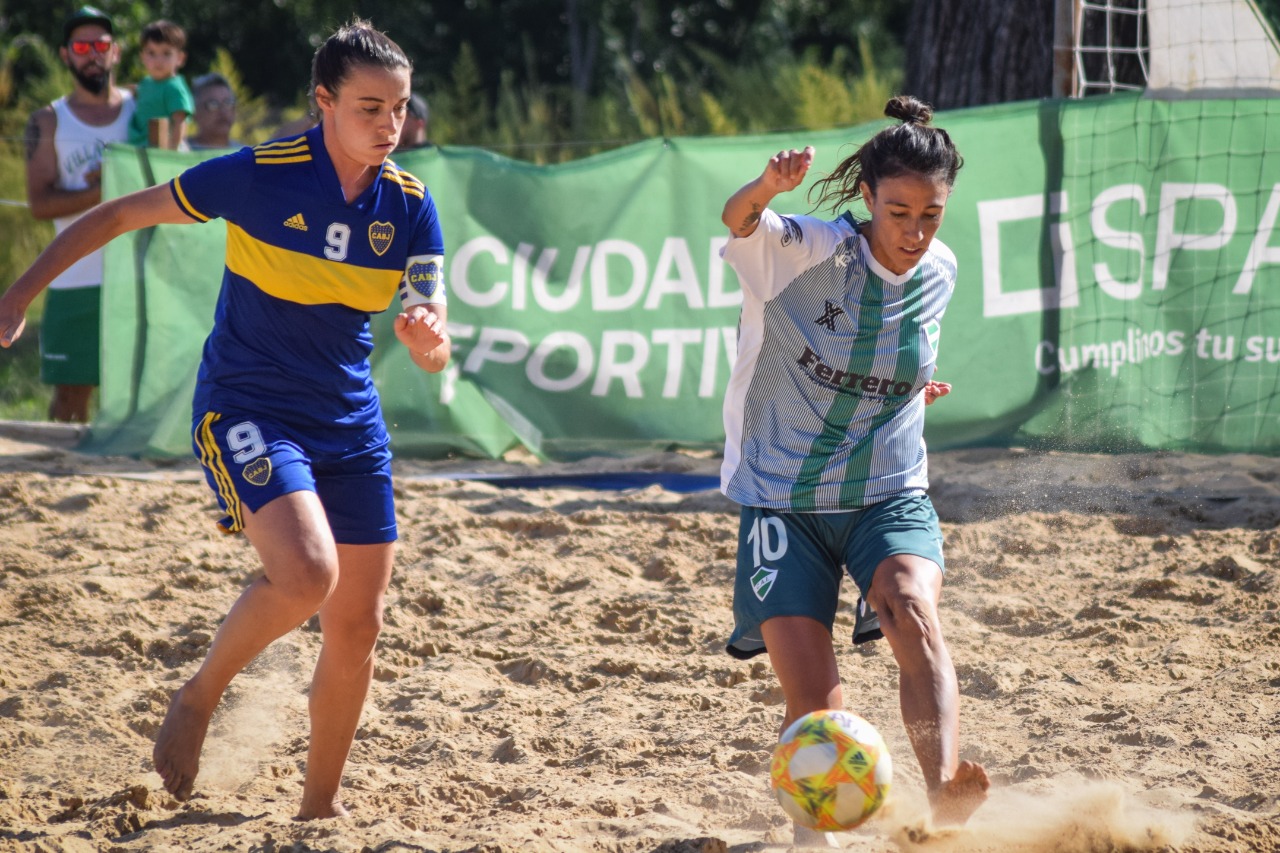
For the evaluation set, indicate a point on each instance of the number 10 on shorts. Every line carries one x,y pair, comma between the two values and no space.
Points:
768,538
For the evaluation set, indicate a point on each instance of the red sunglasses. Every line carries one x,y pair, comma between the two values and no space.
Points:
82,48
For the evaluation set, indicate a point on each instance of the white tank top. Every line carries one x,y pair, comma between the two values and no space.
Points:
78,147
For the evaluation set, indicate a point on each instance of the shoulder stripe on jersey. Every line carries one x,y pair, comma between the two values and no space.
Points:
281,143
271,161
283,151
306,279
411,187
185,203
211,458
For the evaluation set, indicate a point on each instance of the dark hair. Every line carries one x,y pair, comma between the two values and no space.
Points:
164,32
356,43
204,81
914,147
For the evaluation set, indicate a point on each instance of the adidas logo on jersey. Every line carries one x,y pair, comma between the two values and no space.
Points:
296,221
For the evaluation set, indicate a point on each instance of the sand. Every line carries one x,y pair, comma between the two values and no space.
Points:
552,674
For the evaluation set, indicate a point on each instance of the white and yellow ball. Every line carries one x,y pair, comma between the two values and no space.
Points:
831,770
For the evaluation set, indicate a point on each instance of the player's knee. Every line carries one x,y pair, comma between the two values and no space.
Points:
312,581
909,618
357,630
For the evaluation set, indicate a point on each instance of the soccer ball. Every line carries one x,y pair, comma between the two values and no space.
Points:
831,770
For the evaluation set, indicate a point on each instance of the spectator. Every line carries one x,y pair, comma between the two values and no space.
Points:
416,119
64,145
215,113
162,94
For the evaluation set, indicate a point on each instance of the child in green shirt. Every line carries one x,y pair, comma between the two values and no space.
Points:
162,93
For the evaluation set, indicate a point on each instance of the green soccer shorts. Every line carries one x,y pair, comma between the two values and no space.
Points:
792,563
70,336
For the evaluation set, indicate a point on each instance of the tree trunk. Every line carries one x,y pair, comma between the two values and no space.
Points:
963,53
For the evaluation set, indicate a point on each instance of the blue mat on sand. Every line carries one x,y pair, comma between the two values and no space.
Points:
607,480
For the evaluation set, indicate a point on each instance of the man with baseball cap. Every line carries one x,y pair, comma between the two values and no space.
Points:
86,15
64,145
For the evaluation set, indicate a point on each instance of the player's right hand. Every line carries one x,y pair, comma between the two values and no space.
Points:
13,319
11,330
786,169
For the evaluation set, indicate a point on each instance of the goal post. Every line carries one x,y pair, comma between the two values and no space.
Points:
1167,48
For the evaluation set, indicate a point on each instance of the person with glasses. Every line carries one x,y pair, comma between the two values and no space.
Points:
215,113
64,145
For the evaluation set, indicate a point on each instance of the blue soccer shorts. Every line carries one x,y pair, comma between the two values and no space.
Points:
250,461
792,563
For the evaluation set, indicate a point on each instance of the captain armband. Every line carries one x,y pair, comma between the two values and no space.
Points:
423,281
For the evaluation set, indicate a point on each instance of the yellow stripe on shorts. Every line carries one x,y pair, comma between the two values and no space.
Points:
211,458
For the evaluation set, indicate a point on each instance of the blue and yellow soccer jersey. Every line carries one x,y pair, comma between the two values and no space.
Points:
291,335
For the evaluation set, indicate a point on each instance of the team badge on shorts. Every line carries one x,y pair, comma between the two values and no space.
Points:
762,581
258,472
380,236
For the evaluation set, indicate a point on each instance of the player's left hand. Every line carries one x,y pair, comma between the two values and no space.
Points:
420,329
934,390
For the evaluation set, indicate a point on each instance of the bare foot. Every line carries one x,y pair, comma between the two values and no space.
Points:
321,812
177,751
959,798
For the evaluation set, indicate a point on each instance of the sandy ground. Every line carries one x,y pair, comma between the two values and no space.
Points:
552,674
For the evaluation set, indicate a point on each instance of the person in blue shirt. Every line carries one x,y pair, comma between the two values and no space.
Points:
322,230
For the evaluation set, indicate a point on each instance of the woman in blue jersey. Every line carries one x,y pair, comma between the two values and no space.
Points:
824,417
322,230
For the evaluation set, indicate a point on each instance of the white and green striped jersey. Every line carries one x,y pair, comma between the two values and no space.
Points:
825,407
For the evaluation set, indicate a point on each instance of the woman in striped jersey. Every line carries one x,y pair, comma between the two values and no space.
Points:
824,418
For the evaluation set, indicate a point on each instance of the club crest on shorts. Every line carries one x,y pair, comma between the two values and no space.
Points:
380,236
762,581
258,472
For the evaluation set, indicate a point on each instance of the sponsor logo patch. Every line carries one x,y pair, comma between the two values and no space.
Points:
762,581
380,236
862,385
296,221
258,472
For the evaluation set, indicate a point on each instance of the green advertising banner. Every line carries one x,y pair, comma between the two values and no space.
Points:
1118,267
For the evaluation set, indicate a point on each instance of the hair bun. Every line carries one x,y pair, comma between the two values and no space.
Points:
908,110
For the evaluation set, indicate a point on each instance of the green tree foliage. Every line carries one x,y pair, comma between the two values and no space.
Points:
579,49
30,76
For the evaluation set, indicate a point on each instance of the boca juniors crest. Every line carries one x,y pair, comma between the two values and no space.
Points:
424,277
380,236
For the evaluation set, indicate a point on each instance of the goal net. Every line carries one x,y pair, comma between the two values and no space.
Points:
1172,48
1163,210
